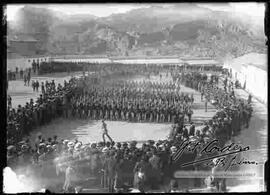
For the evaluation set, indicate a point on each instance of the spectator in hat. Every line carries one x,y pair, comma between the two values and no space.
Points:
192,129
68,177
26,155
156,166
185,132
94,160
38,140
49,141
141,173
11,156
54,141
110,168
173,186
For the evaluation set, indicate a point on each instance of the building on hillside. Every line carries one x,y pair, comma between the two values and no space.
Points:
22,52
23,45
251,71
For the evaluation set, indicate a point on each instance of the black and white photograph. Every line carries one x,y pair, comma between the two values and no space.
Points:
136,98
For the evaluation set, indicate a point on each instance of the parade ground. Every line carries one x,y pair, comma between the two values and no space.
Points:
90,130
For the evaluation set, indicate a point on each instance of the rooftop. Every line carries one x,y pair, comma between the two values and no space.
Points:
144,57
161,60
202,62
13,55
91,60
22,38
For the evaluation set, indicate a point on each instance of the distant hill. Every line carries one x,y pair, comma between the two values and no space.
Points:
174,30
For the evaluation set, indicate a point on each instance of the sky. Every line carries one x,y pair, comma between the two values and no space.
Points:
252,9
103,10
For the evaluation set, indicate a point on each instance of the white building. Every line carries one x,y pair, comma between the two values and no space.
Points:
251,70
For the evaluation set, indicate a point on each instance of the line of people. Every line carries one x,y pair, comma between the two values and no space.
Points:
124,69
147,85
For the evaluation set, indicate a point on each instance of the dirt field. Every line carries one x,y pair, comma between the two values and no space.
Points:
90,131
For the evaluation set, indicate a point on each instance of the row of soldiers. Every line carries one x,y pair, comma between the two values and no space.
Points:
47,87
108,68
146,85
131,104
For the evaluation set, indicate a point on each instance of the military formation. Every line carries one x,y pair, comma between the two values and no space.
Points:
123,165
146,85
132,101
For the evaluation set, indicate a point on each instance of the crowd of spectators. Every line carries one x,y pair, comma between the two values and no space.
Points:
236,111
24,119
121,165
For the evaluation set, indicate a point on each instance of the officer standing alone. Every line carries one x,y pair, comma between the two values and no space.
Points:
105,132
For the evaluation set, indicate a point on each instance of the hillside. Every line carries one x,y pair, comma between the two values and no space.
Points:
155,30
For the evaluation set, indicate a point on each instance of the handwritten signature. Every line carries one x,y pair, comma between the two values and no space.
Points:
210,148
227,163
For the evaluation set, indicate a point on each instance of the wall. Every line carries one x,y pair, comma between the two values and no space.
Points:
256,82
255,78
